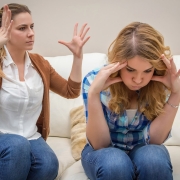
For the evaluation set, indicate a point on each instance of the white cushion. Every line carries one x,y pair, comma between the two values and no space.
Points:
62,149
59,106
175,160
74,172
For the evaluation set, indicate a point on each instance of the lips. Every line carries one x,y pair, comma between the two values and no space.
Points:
30,42
136,87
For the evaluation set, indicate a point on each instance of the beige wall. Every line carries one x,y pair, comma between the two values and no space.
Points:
55,20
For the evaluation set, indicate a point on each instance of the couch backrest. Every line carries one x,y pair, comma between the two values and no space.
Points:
60,107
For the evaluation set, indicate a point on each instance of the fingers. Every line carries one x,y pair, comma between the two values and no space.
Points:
166,61
178,73
115,66
169,64
9,28
85,40
75,29
63,42
113,80
173,66
157,78
82,29
5,8
6,19
82,33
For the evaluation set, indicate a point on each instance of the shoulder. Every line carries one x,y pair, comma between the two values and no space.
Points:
90,76
35,56
38,59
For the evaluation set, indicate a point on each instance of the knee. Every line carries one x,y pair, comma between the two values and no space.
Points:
49,166
154,159
115,164
16,146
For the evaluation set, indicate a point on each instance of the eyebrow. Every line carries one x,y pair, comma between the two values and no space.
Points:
25,25
135,69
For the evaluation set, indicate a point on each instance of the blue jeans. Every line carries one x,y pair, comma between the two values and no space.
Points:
21,159
144,162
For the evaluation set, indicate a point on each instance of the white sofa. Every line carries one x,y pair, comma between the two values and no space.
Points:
60,133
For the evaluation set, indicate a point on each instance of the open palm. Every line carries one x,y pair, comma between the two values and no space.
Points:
78,41
5,26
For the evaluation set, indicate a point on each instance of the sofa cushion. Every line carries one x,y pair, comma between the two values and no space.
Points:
78,131
175,160
74,172
62,149
59,106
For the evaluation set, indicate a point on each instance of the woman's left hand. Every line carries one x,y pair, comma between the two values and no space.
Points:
171,79
78,41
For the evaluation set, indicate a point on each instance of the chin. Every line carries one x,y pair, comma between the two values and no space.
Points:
29,48
134,88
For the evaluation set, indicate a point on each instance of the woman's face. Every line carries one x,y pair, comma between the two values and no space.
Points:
22,33
137,73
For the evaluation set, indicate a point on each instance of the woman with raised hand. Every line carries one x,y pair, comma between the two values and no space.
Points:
130,106
25,81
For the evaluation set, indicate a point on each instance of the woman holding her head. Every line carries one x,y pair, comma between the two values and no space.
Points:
136,96
25,81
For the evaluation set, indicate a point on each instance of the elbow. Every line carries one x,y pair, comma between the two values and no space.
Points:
157,141
96,145
73,95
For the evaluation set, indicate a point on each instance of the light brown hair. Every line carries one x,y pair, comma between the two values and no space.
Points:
143,40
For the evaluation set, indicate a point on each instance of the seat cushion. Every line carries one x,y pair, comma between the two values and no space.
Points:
175,159
74,172
62,149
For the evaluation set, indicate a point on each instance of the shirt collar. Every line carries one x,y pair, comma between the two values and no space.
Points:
8,59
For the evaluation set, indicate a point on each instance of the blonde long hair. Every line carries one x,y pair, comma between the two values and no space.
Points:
15,9
143,40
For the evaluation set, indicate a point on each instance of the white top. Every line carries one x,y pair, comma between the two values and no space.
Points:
130,114
20,102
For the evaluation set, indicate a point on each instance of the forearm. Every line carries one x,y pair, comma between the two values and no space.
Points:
97,129
76,71
162,125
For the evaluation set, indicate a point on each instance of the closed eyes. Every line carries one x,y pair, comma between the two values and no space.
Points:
132,70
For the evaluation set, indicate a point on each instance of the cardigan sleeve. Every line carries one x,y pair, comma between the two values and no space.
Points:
66,88
54,81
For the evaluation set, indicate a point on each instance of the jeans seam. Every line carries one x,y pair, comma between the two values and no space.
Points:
135,171
34,159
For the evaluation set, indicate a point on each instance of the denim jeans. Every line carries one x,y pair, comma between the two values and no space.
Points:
144,162
21,159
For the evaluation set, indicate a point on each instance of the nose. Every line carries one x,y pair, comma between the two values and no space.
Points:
137,78
30,32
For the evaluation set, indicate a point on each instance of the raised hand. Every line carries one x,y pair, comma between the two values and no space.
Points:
78,41
171,78
5,26
103,79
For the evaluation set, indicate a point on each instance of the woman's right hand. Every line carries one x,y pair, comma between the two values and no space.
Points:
103,79
5,26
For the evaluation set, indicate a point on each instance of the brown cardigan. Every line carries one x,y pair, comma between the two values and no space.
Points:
52,81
